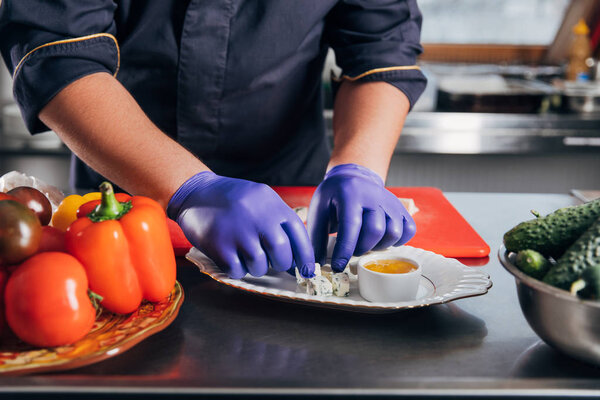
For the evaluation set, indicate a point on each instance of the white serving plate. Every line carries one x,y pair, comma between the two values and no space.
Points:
443,280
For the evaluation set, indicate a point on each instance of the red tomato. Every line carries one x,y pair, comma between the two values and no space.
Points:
53,239
181,245
3,279
47,302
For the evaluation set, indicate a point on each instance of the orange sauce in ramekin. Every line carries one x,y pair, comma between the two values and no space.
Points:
391,266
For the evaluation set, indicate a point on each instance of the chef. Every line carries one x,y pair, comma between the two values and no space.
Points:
202,104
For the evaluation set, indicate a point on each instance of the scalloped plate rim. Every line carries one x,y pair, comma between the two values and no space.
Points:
476,283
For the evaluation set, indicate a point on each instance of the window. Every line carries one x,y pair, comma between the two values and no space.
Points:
516,22
507,31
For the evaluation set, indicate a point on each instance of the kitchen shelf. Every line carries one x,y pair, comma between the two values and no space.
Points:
487,133
9,149
462,133
28,151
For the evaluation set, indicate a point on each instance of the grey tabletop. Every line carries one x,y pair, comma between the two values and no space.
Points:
229,342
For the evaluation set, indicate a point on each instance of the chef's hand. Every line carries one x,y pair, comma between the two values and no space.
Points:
241,225
353,202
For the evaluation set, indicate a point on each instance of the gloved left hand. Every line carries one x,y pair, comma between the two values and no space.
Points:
353,201
242,226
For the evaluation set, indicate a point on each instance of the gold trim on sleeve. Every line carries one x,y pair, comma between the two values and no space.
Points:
376,70
73,40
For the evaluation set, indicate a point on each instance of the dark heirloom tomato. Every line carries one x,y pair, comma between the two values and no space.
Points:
47,301
4,196
20,232
35,200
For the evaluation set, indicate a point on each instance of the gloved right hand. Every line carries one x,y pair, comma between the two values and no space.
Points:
241,225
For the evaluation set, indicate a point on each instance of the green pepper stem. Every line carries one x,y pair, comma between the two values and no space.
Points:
109,207
96,299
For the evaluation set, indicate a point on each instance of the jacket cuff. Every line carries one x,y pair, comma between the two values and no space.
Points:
49,68
409,79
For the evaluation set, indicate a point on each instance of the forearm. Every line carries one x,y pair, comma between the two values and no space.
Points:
103,125
367,121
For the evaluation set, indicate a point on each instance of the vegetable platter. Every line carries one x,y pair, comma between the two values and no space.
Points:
82,278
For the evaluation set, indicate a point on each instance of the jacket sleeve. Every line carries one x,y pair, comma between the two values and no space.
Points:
47,45
378,40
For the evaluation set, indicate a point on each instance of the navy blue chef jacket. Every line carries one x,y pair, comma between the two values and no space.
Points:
237,82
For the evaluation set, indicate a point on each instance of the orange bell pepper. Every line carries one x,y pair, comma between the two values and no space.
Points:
125,249
180,244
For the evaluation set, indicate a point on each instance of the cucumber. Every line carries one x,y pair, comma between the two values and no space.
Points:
532,263
583,254
553,234
588,286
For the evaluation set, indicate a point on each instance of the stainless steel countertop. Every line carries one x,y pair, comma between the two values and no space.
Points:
228,342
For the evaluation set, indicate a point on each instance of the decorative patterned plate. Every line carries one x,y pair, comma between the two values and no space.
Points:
443,280
111,334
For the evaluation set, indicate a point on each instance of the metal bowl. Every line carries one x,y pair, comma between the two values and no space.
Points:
565,322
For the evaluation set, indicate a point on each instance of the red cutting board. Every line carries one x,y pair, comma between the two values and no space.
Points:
440,227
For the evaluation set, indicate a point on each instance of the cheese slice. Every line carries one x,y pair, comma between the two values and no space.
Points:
340,283
300,280
326,282
319,286
326,271
409,204
302,213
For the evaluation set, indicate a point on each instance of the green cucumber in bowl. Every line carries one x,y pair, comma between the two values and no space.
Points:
588,285
532,263
582,255
552,234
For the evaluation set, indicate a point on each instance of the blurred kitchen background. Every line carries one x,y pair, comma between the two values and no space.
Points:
512,105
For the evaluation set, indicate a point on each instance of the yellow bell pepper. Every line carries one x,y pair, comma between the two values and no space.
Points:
66,212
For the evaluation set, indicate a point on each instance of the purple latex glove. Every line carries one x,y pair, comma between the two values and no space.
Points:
241,225
353,202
